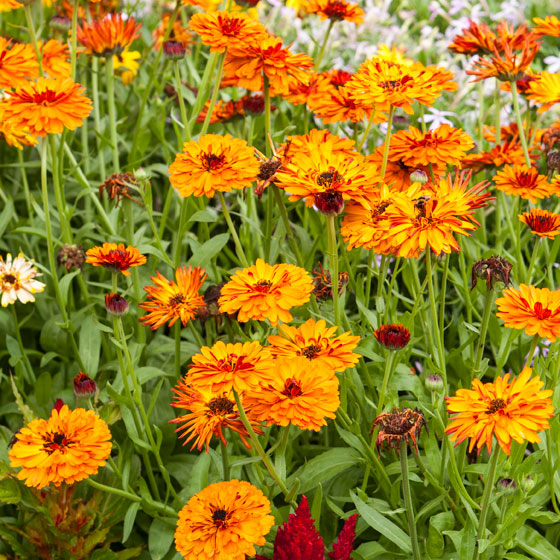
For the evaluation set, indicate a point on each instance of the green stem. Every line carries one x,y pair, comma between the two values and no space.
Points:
532,349
387,142
382,275
533,259
480,88
267,121
177,334
215,92
437,334
333,263
186,128
30,374
112,112
443,291
74,41
366,132
65,229
180,231
25,183
284,214
238,246
225,460
497,109
33,35
488,302
388,370
519,122
408,499
321,52
97,116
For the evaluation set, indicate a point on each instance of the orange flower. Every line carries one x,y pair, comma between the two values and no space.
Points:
523,181
115,257
47,106
515,410
542,222
508,152
14,134
178,33
317,140
225,366
70,446
300,392
108,36
55,59
317,343
265,291
222,30
550,25
170,301
537,310
18,64
223,111
544,88
224,521
475,39
213,163
337,105
336,10
9,5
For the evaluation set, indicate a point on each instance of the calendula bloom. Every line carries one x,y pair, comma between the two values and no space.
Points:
9,5
523,181
316,140
337,105
55,58
400,425
542,222
319,344
265,291
17,280
209,414
222,30
14,134
109,35
178,33
442,146
393,337
508,152
223,111
170,301
300,392
515,410
18,64
115,257
477,38
223,366
537,310
224,521
550,25
545,89
47,106
126,66
336,10
213,163
70,446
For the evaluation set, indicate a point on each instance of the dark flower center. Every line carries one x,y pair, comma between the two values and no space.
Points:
219,517
176,299
336,10
9,279
542,223
292,389
117,259
230,26
55,442
220,406
212,162
44,98
540,312
329,178
495,405
263,286
311,351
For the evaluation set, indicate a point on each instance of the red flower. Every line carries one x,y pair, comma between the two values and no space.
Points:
344,544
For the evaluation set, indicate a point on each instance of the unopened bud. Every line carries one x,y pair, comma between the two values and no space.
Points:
419,176
527,484
84,386
329,203
61,23
507,486
174,50
116,305
434,383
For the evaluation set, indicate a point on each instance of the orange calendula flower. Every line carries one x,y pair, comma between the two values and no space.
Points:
55,58
224,522
300,393
336,10
9,5
508,152
265,291
178,33
477,38
226,366
319,344
537,310
47,106
542,222
170,301
222,30
523,181
70,446
315,140
115,257
109,35
550,25
18,64
213,163
442,146
509,410
545,89
14,134
209,414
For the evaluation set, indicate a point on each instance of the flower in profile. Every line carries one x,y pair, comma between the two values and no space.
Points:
393,337
515,410
542,222
55,58
550,25
109,35
508,152
477,38
209,414
17,280
115,257
523,181
336,10
492,269
18,64
545,89
537,310
213,163
47,106
263,291
299,392
70,446
170,301
224,521
84,386
319,344
223,366
116,305
397,426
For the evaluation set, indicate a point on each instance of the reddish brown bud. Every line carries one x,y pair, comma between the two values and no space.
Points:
84,385
393,337
116,305
174,50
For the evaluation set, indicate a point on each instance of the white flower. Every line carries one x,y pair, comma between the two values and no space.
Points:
553,63
17,280
436,118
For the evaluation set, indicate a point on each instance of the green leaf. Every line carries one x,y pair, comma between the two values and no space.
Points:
90,345
441,522
65,283
160,538
535,544
129,519
6,215
10,492
149,372
208,215
203,255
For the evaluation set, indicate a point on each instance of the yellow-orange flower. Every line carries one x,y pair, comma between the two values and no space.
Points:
223,522
18,64
55,58
545,89
537,310
213,163
523,181
542,222
337,105
336,10
170,301
317,140
14,134
109,35
301,393
509,410
508,152
115,257
550,25
70,446
265,291
226,366
319,344
47,106
477,38
9,5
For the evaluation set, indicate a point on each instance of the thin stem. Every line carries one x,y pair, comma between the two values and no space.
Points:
533,259
480,88
97,116
179,238
25,183
65,229
532,349
366,132
238,246
443,291
408,499
497,109
519,122
437,333
284,214
177,334
186,128
488,302
333,263
387,142
321,52
382,275
30,374
215,92
225,460
33,35
388,370
74,40
112,112
267,122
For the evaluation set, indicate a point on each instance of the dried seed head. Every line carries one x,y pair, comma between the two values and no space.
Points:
323,285
494,268
397,426
71,256
553,161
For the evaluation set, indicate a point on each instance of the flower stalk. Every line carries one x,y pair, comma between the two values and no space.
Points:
407,496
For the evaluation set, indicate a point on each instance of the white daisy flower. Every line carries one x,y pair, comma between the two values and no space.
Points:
17,280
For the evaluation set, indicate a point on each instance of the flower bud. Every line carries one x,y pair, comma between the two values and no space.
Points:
419,176
174,50
393,337
507,486
59,403
84,386
116,305
61,23
329,203
434,383
527,484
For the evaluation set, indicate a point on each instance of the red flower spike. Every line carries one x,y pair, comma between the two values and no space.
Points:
344,544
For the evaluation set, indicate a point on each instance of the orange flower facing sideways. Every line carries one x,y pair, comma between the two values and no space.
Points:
18,64
115,257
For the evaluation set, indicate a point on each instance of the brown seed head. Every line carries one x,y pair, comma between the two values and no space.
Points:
71,256
397,426
494,268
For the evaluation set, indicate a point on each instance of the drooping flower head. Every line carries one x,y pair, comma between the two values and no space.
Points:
18,64
224,521
170,301
515,410
523,181
542,222
70,446
398,426
336,10
537,310
109,35
115,257
263,291
17,280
